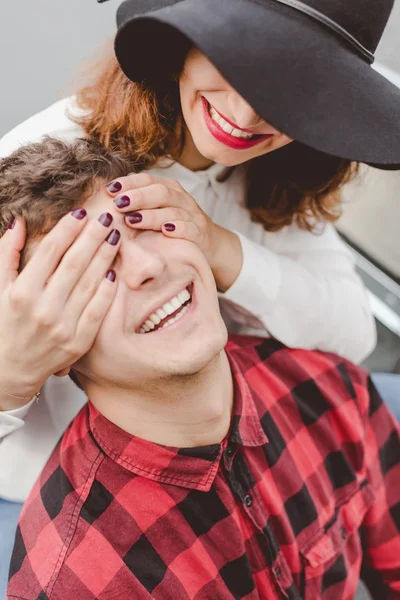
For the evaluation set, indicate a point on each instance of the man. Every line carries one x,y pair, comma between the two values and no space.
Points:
201,468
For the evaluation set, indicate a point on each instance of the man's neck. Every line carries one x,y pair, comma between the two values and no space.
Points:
183,412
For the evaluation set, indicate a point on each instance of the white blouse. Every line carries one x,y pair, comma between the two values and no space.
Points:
299,287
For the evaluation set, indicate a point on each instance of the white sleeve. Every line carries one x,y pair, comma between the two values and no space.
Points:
52,121
307,294
11,420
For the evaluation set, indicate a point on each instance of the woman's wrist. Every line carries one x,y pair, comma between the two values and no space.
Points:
13,396
227,258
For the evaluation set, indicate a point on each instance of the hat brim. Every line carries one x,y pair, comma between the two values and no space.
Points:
300,77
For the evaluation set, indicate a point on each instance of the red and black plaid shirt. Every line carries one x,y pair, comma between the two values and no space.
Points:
302,497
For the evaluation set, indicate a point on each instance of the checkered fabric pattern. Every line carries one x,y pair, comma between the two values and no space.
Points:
300,498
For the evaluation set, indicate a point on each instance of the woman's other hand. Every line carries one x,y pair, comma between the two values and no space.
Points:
163,205
51,312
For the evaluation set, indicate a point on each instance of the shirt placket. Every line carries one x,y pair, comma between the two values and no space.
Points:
255,510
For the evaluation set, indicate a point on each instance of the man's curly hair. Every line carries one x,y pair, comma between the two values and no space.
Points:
44,181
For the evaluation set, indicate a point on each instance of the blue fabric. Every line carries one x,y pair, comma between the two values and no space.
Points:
388,385
9,513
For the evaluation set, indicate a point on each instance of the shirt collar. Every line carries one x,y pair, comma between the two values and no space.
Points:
193,468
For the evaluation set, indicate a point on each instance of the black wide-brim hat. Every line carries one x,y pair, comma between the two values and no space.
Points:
304,67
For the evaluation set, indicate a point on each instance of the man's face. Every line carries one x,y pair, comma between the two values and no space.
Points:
140,340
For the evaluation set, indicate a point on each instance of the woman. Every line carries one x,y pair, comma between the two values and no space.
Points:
219,173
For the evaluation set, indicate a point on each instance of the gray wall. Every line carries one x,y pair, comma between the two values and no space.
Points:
42,46
43,43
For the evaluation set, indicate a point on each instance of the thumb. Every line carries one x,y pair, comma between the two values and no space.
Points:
11,244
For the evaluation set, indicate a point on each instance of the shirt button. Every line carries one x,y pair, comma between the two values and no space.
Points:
248,500
229,452
343,533
278,573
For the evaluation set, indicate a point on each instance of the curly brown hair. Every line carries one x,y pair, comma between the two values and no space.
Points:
294,184
44,181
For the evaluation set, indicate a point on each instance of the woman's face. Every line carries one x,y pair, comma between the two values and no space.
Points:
223,126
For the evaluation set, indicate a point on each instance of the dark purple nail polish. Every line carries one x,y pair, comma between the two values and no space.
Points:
106,219
135,218
169,227
111,275
79,213
12,223
113,238
114,187
122,201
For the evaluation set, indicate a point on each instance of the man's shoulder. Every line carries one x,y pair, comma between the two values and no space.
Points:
306,375
53,120
51,514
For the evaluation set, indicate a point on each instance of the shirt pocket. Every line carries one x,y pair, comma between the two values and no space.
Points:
334,554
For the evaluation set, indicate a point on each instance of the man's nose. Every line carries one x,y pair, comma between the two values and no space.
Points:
245,116
139,266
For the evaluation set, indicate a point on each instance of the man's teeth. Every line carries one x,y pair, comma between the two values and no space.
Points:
228,127
167,309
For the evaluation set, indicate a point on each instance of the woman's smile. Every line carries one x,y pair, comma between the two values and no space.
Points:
225,132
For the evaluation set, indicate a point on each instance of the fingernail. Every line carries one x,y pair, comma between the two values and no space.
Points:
111,275
106,219
113,238
79,213
12,223
122,201
169,226
135,217
114,187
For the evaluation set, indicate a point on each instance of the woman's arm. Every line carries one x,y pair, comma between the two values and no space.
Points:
305,293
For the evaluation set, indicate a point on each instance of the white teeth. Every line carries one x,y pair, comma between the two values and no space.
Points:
176,303
161,313
178,316
167,309
227,127
184,296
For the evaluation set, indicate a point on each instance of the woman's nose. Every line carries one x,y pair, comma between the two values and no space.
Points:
245,116
139,266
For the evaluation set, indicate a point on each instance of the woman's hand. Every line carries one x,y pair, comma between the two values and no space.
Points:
51,312
163,205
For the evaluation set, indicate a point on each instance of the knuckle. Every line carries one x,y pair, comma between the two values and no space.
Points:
51,246
74,265
19,297
163,191
61,335
43,318
88,287
143,179
178,214
95,316
74,350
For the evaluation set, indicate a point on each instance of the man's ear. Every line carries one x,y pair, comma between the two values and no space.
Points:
63,372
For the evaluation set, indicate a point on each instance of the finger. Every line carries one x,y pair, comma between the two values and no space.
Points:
75,262
63,372
11,244
90,281
185,230
154,219
94,314
135,181
157,195
50,251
